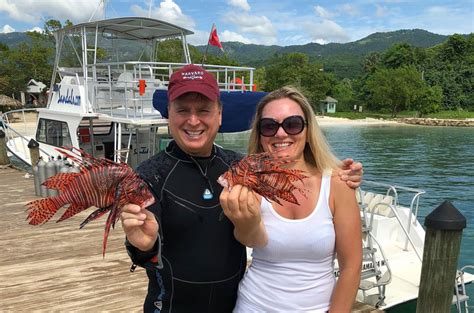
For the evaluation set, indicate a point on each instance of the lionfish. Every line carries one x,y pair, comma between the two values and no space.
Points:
102,183
263,174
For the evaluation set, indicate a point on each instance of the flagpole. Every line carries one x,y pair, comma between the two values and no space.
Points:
207,47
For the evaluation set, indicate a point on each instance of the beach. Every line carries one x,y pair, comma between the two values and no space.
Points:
340,121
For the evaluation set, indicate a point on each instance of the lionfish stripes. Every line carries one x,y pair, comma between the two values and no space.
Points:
101,183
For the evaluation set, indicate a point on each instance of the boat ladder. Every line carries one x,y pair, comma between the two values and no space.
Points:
460,297
376,271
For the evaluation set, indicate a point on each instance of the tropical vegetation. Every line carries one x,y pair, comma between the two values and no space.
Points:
403,77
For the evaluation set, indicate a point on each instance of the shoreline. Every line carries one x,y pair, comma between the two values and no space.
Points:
326,121
341,121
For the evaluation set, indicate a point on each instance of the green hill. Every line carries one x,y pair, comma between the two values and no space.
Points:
342,59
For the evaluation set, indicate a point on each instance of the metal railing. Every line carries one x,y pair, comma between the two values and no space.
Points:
12,133
393,190
115,85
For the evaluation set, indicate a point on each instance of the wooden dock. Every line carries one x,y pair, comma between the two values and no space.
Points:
59,267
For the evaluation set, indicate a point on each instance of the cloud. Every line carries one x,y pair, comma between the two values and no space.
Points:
7,29
231,36
349,9
260,25
380,10
326,31
243,4
39,11
445,20
200,38
168,11
259,29
36,29
321,12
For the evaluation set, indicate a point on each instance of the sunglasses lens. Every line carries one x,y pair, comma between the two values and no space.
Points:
268,127
293,125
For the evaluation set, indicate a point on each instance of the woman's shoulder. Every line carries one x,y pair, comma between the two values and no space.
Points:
340,186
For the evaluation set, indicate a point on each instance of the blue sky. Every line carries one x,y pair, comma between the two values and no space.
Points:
280,22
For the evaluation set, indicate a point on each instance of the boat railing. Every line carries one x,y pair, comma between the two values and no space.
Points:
127,88
461,297
392,202
16,125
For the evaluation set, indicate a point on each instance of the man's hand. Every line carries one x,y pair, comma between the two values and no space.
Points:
140,226
351,173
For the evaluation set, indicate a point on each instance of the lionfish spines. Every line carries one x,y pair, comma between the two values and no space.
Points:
264,173
100,183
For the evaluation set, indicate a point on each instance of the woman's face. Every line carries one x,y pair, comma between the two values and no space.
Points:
282,143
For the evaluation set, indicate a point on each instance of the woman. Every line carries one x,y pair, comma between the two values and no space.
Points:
295,245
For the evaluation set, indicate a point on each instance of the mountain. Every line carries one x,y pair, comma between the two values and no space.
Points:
342,59
14,39
376,42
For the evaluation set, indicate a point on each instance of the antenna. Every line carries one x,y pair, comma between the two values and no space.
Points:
101,2
149,8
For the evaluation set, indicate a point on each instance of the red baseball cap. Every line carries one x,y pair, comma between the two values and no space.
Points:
193,78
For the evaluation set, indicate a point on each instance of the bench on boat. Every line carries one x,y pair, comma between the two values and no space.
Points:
376,203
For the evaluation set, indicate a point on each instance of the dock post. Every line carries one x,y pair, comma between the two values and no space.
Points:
4,160
33,145
440,258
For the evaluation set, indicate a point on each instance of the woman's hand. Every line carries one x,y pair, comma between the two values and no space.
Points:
242,207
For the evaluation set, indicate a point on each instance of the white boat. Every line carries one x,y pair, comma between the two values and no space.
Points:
393,241
102,101
104,82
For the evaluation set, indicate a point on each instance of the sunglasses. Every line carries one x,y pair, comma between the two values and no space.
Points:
292,125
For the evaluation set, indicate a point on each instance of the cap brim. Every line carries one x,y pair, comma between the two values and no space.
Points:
202,89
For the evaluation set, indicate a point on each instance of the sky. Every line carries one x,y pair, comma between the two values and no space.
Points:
267,22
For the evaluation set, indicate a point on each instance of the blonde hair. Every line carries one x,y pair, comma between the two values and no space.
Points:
317,151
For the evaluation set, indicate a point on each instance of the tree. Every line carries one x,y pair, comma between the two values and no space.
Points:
295,69
451,66
371,62
429,100
28,60
398,55
394,89
345,94
454,49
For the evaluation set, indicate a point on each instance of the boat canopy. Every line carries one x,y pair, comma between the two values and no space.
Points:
137,28
238,108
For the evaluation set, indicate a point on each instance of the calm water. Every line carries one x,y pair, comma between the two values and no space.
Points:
438,160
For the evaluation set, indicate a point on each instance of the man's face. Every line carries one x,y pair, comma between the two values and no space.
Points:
193,122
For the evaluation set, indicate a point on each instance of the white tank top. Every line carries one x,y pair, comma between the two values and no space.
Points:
294,272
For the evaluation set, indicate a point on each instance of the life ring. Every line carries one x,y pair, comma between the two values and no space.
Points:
237,84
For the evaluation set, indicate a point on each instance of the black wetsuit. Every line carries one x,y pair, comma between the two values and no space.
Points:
202,261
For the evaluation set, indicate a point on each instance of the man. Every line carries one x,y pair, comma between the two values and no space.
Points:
193,262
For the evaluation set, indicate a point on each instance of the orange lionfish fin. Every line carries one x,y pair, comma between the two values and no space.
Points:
112,218
40,211
72,210
60,181
95,215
